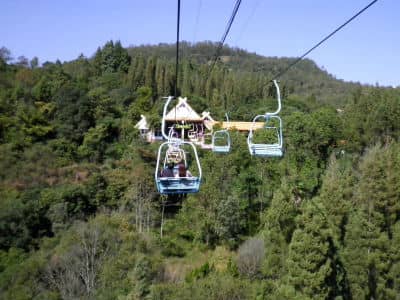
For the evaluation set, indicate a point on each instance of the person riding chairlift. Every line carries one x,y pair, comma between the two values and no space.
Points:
169,171
182,172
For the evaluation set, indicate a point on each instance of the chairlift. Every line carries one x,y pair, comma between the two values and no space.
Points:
174,154
176,184
174,151
268,149
221,140
192,133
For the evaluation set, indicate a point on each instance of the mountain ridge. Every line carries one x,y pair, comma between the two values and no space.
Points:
304,79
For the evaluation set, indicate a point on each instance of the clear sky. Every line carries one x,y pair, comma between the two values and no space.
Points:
367,50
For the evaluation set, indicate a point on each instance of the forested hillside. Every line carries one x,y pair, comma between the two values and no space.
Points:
305,79
80,217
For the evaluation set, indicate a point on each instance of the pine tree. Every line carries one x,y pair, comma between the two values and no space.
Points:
394,272
160,74
336,194
149,75
311,255
279,223
186,85
137,75
377,196
379,189
123,60
366,258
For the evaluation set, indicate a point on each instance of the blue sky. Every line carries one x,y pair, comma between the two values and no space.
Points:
367,50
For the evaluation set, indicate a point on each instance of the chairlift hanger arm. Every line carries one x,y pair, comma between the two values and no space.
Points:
227,121
278,95
169,99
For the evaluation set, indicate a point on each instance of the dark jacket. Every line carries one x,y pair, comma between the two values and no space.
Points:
167,172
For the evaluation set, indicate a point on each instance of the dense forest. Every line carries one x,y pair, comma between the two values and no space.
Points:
80,216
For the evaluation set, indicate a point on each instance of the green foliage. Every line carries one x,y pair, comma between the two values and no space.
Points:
142,105
112,57
74,113
141,277
96,140
378,189
21,220
217,286
21,279
310,258
365,257
279,223
35,122
80,217
229,218
373,115
201,272
337,192
65,204
171,248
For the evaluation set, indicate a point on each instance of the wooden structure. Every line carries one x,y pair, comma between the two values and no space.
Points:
187,123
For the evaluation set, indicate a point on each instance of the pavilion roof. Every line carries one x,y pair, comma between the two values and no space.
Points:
182,112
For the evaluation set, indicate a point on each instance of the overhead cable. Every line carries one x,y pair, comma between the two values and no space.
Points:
196,21
227,29
177,48
279,74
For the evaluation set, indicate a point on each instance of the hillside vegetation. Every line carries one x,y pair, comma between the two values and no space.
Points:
80,217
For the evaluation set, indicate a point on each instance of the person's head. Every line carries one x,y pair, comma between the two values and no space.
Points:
170,165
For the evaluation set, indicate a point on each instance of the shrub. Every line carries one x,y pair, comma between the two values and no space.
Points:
250,256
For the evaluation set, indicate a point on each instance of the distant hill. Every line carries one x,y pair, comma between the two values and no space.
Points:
305,79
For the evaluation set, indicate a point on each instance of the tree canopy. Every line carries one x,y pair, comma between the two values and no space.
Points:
80,216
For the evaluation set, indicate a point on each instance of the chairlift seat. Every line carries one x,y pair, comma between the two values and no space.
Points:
266,150
178,185
221,149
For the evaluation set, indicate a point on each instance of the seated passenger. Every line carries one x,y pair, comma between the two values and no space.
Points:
182,172
169,171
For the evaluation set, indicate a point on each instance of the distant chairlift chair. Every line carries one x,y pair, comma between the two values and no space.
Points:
221,140
267,149
192,133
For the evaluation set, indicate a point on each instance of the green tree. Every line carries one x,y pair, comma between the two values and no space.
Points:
311,256
141,278
112,58
142,105
365,256
279,225
337,193
97,140
378,189
74,113
394,272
